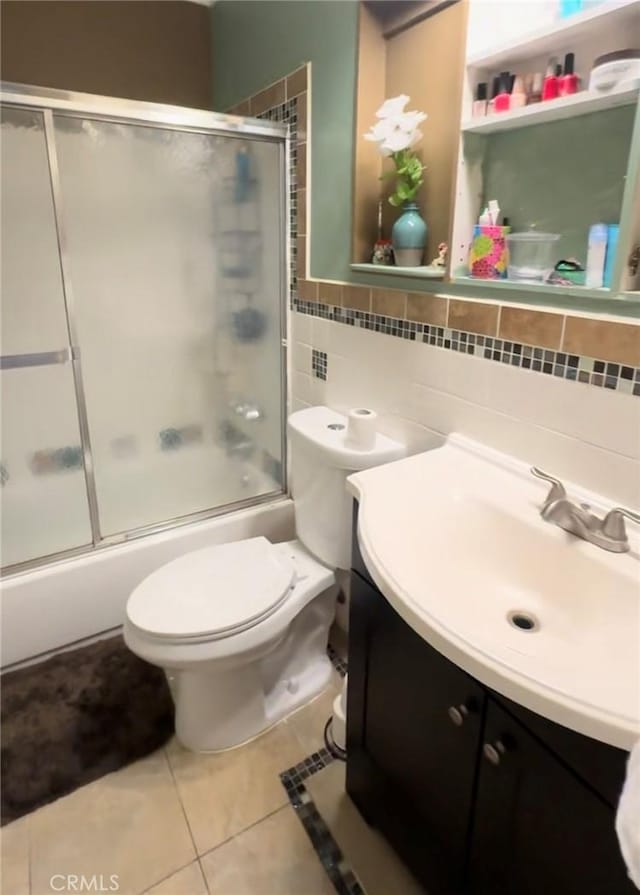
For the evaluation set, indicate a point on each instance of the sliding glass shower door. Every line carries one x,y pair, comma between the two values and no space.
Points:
44,497
147,231
144,271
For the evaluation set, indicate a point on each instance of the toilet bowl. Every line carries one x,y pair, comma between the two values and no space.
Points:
241,629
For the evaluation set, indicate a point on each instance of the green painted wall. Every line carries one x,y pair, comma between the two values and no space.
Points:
254,44
562,177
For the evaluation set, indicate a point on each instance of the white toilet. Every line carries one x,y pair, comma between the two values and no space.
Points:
241,629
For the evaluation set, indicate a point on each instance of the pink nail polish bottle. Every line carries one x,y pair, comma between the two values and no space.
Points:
480,104
503,99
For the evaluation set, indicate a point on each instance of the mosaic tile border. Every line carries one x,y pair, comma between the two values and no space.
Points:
553,362
287,113
337,661
327,849
618,371
319,364
335,864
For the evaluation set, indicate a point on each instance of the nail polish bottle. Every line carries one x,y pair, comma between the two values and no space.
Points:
568,83
550,86
535,94
503,99
480,105
495,90
518,95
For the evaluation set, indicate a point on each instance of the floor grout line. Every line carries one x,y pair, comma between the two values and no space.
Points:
204,876
182,805
168,876
243,830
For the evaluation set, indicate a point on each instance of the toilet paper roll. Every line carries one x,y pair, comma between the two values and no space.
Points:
361,429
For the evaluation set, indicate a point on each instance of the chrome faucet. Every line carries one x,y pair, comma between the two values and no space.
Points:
249,412
608,532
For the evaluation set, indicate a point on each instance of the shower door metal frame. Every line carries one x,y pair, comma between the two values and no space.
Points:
164,117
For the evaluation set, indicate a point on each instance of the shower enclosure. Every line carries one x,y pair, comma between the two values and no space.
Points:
144,284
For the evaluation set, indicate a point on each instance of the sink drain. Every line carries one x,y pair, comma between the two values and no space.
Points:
523,621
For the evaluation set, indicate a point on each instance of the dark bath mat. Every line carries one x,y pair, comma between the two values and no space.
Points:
75,717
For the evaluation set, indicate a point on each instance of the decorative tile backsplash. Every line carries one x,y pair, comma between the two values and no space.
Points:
286,112
319,364
573,367
593,351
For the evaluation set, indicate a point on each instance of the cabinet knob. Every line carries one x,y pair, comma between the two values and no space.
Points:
494,752
457,714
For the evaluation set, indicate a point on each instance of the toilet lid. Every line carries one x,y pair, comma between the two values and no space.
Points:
216,590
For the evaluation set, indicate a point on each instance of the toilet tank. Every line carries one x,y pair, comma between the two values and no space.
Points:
320,461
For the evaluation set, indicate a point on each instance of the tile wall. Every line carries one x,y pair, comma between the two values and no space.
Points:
555,389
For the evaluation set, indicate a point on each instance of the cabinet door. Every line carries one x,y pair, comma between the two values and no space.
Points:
414,723
538,828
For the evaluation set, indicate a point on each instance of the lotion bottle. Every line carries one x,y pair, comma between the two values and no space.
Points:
596,255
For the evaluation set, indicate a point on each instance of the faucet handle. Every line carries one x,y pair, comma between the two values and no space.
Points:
613,523
557,491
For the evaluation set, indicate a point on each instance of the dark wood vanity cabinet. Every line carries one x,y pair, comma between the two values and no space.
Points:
537,827
464,784
414,736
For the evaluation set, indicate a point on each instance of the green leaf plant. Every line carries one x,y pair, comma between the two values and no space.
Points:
408,173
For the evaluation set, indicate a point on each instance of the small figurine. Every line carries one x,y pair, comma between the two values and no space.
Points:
382,252
441,260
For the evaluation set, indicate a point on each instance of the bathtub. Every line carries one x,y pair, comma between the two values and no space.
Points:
76,599
47,514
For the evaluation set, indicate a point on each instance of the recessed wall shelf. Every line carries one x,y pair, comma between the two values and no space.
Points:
578,298
594,180
554,110
531,287
563,33
426,271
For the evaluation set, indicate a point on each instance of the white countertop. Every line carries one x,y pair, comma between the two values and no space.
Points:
454,540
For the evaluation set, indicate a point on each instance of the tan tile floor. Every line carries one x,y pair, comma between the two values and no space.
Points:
371,858
177,823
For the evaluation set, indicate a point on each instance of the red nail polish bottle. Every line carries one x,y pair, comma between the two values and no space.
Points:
568,83
550,86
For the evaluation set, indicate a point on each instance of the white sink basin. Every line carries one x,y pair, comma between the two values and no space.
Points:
454,540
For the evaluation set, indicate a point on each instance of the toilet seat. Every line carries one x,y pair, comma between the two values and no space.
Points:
213,592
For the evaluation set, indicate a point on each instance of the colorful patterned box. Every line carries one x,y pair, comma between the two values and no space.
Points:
488,256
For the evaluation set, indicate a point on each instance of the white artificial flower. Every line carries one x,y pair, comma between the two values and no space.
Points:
392,107
395,130
380,130
396,142
409,121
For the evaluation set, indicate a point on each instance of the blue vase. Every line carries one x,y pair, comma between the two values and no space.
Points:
409,237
